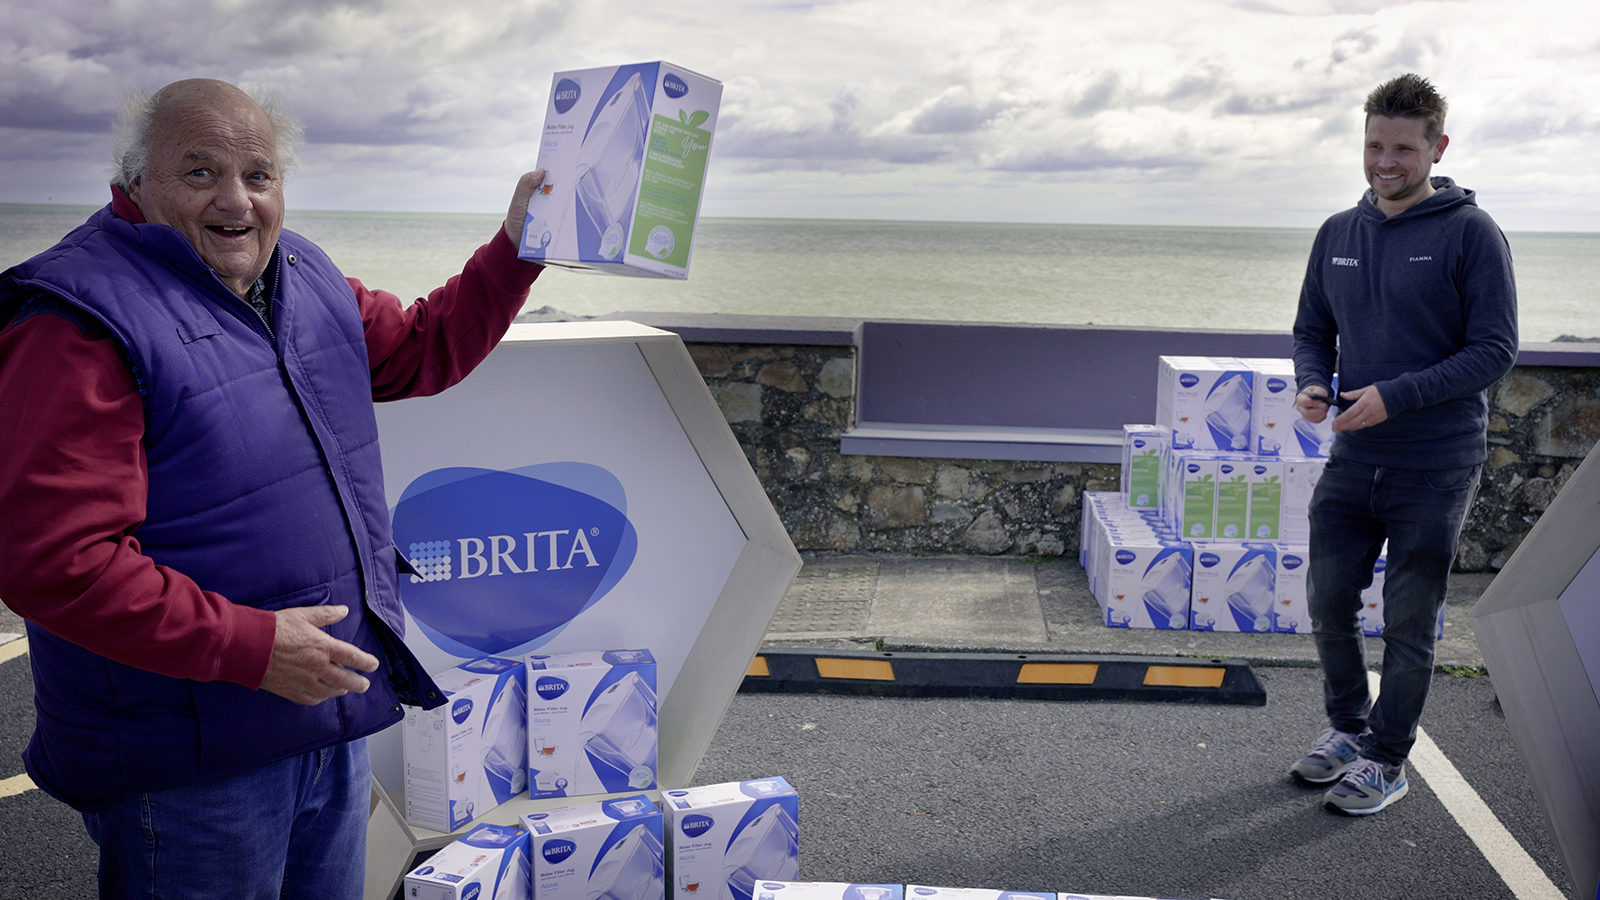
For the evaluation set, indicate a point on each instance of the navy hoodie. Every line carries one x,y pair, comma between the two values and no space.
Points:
1421,304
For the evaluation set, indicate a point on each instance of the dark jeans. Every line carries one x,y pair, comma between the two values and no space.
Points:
1354,509
295,828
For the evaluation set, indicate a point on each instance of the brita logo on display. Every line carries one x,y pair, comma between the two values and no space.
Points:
674,86
507,558
565,95
557,850
1276,385
1209,559
461,710
471,893
1126,556
1290,561
694,826
550,687
1188,380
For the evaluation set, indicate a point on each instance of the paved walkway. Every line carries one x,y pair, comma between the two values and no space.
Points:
1008,604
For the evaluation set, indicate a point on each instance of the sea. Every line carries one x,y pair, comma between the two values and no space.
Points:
1127,275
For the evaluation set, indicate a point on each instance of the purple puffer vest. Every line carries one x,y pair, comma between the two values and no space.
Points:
265,486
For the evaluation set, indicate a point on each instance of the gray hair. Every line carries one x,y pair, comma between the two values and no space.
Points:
130,136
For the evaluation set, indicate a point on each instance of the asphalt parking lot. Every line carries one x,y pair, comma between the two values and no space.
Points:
1154,799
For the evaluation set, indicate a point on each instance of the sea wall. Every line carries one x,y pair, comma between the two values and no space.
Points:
789,404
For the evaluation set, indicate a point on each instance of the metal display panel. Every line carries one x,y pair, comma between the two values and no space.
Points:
582,468
1538,625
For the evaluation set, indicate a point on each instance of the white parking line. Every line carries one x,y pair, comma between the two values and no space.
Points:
1521,874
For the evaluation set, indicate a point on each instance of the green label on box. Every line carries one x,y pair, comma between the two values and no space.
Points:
1199,506
1266,505
1233,496
1144,480
669,188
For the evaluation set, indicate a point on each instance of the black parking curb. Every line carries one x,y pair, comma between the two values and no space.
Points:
1030,676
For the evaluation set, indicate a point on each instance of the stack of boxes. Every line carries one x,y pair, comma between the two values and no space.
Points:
1211,527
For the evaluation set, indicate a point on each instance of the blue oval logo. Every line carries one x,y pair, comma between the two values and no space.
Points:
1138,442
1209,559
1261,470
1194,468
557,850
674,86
771,886
1290,561
1276,384
1188,380
566,94
425,870
1227,468
508,558
472,891
550,687
1379,565
1126,556
461,710
694,826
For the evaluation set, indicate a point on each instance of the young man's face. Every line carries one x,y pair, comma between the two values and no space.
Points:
1397,161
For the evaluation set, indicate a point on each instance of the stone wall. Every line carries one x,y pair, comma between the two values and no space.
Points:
788,406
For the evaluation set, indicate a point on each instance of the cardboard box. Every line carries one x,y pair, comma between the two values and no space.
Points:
1146,584
607,849
1234,587
466,757
1204,402
1142,447
624,152
591,723
489,863
724,838
827,890
1290,614
1265,479
1272,410
922,892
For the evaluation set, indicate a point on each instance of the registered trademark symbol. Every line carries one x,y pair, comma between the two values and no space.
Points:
594,531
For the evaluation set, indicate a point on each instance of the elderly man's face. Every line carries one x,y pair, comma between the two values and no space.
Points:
214,176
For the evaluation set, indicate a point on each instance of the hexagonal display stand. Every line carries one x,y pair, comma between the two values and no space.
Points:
582,468
1538,625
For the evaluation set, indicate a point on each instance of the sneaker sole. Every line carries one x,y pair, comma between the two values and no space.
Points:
1393,796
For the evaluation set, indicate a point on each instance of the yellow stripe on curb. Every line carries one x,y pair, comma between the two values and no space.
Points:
16,784
1058,673
13,649
860,669
758,668
1183,676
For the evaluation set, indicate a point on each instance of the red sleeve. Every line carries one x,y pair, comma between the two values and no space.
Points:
73,487
435,342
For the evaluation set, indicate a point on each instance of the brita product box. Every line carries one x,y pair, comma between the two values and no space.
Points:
591,723
489,863
1232,521
1204,402
827,890
624,153
1264,477
723,839
1141,465
1234,587
466,757
1315,439
923,892
1299,483
605,850
1290,614
1371,615
1146,584
1192,485
1272,411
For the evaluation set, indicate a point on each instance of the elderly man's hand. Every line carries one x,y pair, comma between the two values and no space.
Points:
518,212
308,666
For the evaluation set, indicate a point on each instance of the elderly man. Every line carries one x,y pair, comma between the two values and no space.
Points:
195,523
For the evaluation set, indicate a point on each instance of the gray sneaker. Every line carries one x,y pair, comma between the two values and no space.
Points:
1367,788
1333,754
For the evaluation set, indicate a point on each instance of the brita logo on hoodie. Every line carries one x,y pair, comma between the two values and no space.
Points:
557,850
550,687
508,558
694,826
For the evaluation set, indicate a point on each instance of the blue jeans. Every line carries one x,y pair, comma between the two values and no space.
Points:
1354,509
295,828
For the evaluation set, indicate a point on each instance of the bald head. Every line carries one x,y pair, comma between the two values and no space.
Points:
130,140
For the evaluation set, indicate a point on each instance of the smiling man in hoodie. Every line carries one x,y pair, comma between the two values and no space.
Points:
1410,298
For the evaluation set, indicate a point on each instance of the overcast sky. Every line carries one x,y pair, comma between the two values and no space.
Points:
1195,112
